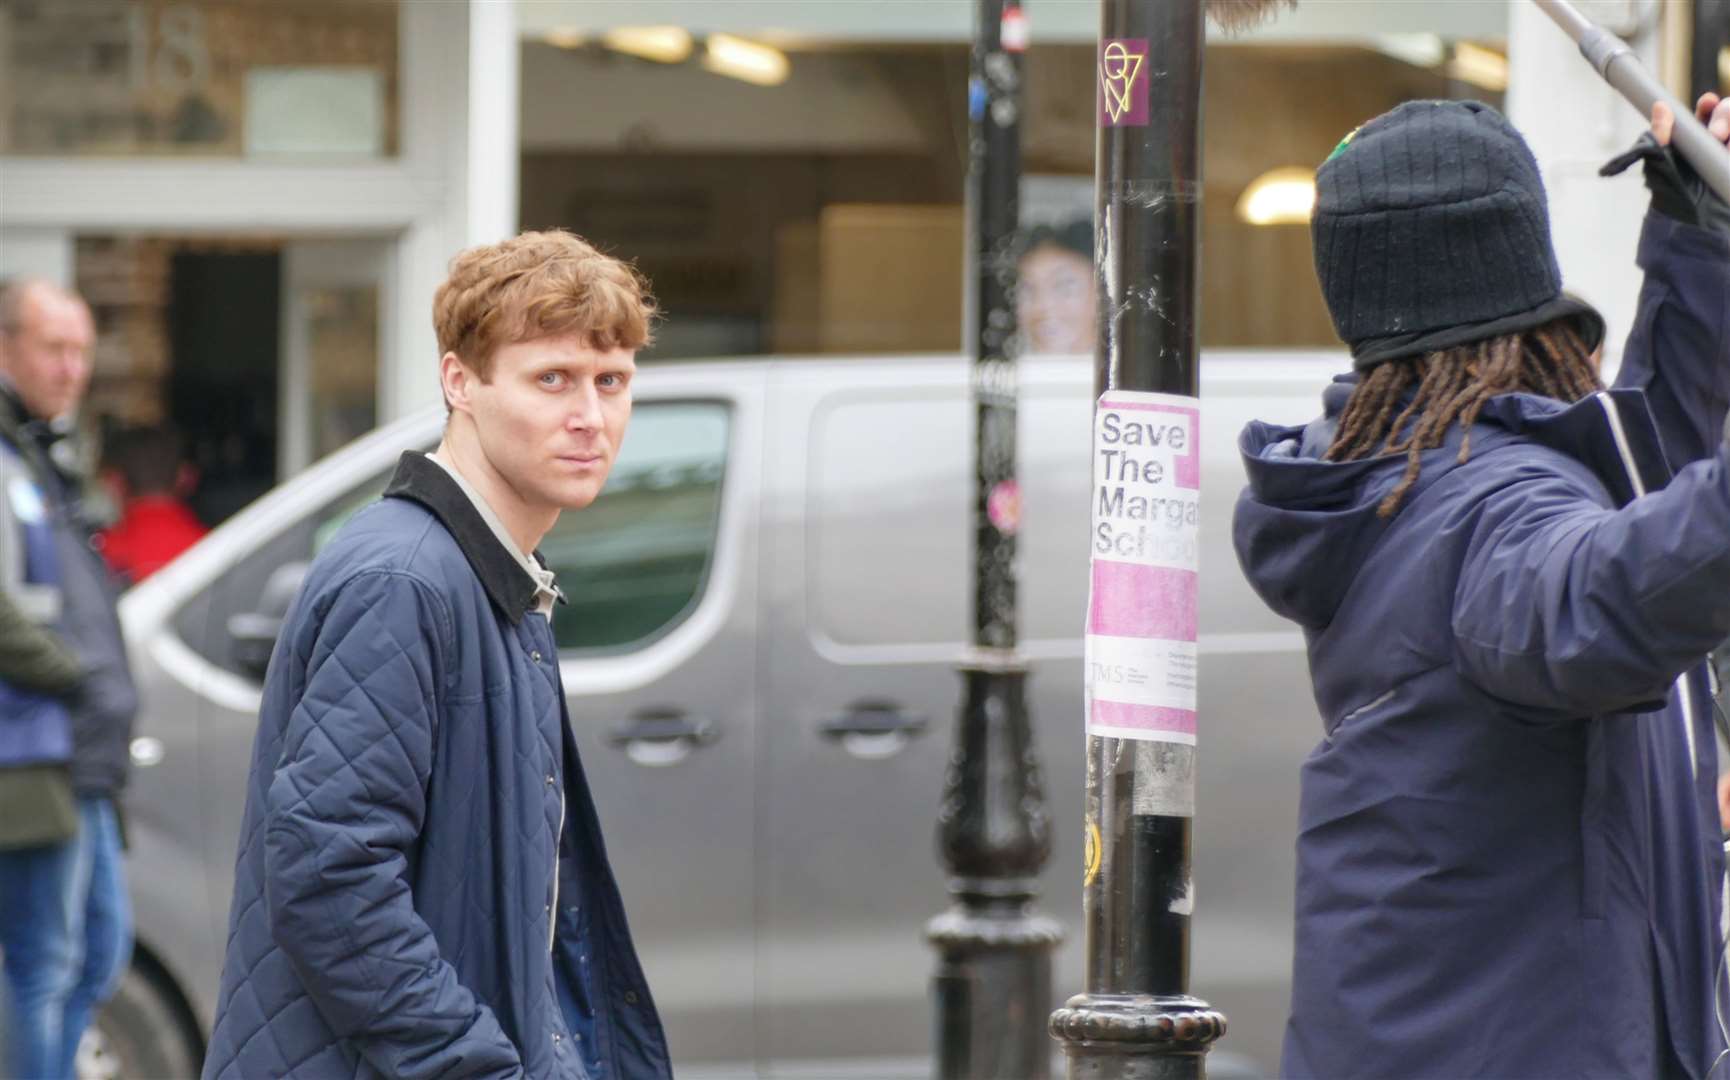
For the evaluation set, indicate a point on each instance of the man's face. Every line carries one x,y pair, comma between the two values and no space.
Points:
551,418
47,356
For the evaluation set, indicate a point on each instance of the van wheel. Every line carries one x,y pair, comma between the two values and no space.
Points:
138,1035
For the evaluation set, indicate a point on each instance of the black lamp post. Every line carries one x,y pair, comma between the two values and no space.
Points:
993,984
1136,1019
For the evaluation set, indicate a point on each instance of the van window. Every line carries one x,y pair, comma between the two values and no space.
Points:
634,563
891,507
258,582
888,521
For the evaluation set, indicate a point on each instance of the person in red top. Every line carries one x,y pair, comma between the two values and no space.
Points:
148,480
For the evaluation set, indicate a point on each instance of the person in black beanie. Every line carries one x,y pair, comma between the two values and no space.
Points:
1508,578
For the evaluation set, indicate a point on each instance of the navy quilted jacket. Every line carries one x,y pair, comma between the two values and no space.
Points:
1508,848
421,889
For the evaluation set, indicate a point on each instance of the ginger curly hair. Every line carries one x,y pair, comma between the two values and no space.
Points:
1453,385
539,284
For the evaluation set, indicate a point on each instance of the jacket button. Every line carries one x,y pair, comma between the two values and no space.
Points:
550,780
535,656
630,997
557,1038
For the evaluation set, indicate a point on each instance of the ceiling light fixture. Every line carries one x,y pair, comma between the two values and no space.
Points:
1283,196
737,58
662,44
1483,68
565,37
1418,50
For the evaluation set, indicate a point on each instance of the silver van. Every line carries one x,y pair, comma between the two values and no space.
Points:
780,561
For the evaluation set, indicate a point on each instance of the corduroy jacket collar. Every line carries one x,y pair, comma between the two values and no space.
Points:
33,437
419,480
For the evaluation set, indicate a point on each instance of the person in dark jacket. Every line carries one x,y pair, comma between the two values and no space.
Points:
66,701
1509,579
422,889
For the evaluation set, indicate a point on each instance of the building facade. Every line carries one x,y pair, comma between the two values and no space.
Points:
259,198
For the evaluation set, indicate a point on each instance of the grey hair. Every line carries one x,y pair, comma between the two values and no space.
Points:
12,294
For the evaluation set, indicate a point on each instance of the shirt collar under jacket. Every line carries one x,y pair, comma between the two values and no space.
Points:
516,582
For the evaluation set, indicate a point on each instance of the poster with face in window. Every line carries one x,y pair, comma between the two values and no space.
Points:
1056,303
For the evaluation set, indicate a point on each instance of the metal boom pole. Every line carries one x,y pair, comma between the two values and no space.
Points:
1612,59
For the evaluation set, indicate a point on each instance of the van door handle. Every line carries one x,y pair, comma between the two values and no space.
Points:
872,730
658,738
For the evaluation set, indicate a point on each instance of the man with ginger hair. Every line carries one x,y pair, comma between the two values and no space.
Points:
421,888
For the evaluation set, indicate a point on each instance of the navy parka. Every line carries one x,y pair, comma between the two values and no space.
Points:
1508,843
422,888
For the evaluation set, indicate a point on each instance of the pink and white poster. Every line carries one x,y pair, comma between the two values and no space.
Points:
1141,608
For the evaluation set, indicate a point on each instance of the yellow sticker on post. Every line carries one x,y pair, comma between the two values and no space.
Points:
1142,599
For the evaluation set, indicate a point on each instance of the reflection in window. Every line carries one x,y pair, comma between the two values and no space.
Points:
634,563
303,78
333,517
265,581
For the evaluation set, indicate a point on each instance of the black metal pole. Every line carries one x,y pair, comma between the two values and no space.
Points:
1137,1019
992,989
1711,36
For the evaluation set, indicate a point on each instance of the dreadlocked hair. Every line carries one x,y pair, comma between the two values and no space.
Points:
1453,385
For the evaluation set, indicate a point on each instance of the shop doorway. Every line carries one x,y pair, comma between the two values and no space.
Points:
262,353
224,333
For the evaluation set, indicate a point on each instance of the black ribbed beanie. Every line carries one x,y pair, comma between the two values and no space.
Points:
1431,230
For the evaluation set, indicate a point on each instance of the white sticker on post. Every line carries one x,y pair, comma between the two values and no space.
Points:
1141,605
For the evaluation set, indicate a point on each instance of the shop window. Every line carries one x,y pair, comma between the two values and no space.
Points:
825,213
289,79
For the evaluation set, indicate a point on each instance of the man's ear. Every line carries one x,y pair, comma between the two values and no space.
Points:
456,380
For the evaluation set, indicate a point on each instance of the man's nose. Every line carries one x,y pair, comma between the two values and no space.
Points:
585,414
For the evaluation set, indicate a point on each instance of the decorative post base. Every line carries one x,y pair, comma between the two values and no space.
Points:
993,976
1137,1037
992,989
